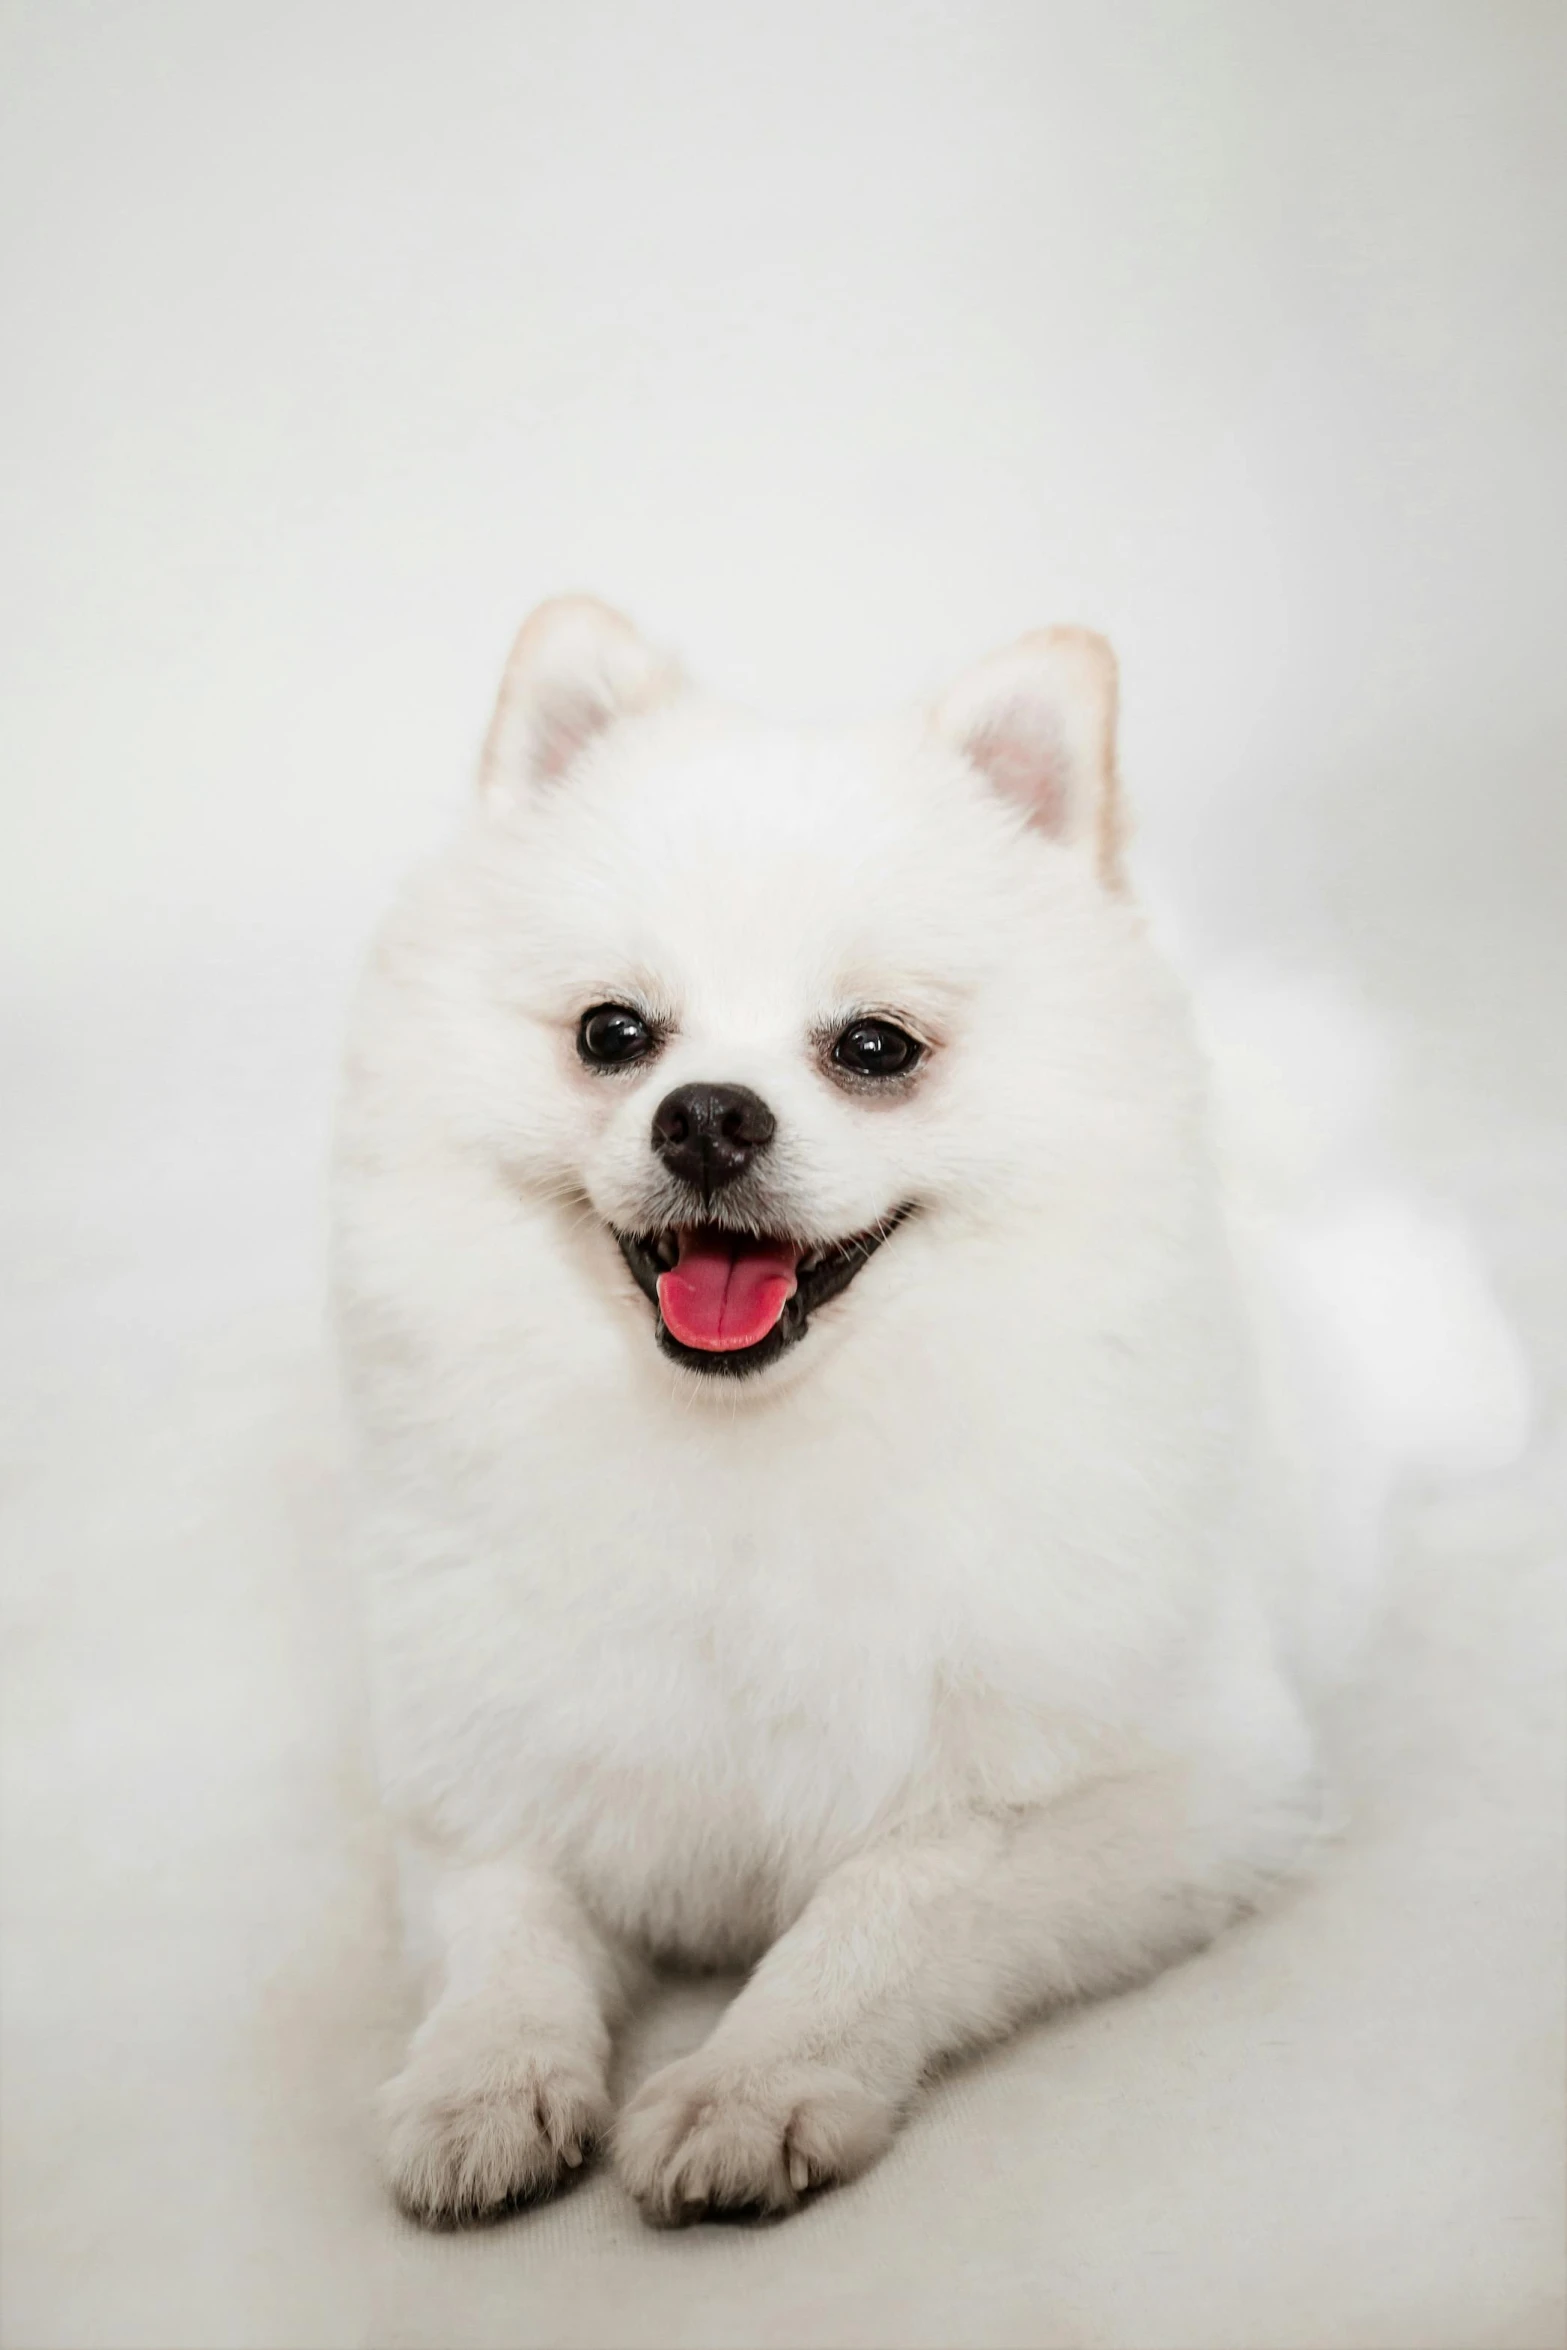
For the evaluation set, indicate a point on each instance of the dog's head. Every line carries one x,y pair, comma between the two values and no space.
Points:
774,1004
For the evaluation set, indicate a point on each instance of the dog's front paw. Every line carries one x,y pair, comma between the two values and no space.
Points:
703,2136
470,2131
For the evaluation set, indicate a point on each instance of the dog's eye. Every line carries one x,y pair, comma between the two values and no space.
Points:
874,1048
609,1036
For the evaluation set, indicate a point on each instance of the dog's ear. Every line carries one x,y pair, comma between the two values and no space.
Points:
574,670
1038,721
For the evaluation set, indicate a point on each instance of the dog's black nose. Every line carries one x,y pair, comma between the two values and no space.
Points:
709,1134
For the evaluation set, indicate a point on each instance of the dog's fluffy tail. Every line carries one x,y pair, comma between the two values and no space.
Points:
1384,1347
1402,1310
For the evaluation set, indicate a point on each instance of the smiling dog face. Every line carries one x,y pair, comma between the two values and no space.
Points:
762,1004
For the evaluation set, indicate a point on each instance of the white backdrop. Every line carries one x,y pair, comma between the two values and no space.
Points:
837,342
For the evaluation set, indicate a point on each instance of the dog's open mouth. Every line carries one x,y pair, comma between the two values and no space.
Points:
731,1302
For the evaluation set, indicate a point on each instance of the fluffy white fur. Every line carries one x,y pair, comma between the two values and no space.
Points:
949,1667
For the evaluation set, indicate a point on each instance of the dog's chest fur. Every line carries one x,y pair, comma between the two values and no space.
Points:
690,1742
698,1664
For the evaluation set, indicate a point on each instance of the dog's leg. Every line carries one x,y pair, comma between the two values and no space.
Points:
925,1944
504,2085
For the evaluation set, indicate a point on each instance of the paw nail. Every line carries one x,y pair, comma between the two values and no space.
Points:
799,2172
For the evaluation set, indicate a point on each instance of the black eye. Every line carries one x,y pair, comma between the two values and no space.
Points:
609,1036
874,1048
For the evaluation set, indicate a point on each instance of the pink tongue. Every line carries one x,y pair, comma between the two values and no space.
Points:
726,1291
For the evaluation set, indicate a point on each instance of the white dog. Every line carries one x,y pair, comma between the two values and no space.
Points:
825,1503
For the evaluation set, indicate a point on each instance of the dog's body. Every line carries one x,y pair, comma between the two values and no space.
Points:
934,1664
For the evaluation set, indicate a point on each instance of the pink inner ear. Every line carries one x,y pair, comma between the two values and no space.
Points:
562,728
1020,749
